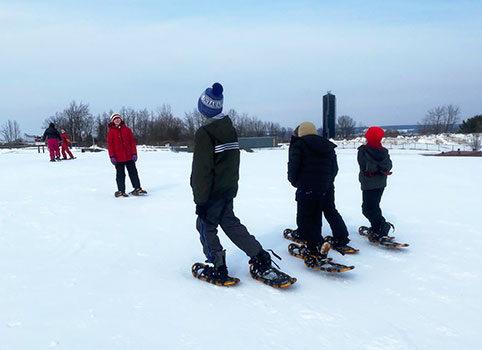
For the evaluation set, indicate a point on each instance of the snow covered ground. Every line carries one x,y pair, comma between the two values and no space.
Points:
80,269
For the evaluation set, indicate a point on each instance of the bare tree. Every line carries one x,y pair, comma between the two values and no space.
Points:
345,126
10,131
76,119
165,126
101,122
452,118
441,119
476,141
192,121
433,123
79,120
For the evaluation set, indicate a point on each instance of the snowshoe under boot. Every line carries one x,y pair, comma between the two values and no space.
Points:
380,239
120,194
218,276
138,191
293,235
317,260
262,270
341,247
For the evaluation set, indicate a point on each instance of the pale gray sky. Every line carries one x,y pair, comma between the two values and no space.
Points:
387,62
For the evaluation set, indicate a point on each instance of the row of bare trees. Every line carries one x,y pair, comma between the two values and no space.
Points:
440,120
10,131
154,127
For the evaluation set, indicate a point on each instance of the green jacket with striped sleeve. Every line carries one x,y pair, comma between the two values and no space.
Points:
215,164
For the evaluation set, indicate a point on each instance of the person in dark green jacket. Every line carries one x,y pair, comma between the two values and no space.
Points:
214,181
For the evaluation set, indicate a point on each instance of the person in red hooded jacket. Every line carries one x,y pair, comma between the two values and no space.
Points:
375,166
123,154
65,145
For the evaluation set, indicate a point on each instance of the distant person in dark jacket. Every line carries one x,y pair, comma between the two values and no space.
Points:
312,168
375,166
123,154
52,136
214,181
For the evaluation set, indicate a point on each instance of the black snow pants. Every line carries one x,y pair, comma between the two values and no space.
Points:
372,211
311,206
220,213
121,175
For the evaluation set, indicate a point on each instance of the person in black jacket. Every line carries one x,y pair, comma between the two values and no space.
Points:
214,181
312,168
375,166
53,137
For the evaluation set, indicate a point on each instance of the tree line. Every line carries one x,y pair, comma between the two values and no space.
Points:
153,127
161,126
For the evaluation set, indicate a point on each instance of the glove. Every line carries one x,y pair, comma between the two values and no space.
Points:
113,161
386,172
134,157
368,174
201,210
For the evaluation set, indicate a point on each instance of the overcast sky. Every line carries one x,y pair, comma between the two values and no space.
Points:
388,62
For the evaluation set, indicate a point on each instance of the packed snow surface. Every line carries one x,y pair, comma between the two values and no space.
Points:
80,269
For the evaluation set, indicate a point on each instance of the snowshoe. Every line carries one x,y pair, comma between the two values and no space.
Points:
272,277
52,160
384,241
120,194
138,191
209,274
293,235
262,270
341,248
318,261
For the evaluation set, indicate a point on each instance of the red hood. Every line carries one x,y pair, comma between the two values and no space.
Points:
374,136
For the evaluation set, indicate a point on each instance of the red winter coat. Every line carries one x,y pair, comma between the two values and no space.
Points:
65,139
120,142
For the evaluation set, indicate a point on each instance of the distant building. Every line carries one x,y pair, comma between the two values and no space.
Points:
329,115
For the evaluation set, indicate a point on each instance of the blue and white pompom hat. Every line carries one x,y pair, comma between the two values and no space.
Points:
210,104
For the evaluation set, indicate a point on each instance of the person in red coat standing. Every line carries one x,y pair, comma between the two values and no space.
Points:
65,145
123,154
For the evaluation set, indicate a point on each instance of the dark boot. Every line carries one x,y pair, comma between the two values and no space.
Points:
262,261
318,257
262,270
385,228
138,191
216,274
341,245
220,270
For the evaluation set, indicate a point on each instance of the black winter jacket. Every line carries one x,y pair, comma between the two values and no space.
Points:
51,133
312,164
215,164
374,164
